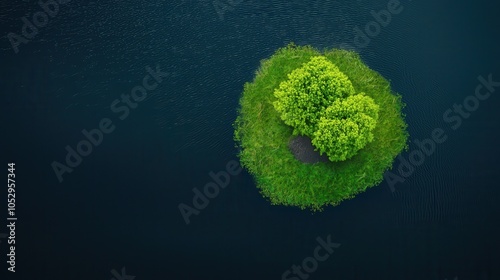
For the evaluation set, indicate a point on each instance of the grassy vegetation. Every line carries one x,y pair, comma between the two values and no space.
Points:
263,137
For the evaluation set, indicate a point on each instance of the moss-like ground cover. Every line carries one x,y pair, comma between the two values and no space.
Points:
263,137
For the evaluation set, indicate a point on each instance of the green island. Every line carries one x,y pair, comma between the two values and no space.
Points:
315,128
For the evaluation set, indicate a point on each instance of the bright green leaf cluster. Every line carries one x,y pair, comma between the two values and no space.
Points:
346,127
309,90
319,101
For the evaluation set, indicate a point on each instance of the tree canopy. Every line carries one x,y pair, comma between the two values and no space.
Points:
319,101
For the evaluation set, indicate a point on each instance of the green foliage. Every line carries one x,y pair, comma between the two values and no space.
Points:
263,137
346,127
316,88
303,98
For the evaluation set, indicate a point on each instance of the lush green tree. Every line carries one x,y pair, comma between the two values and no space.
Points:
319,101
303,98
346,127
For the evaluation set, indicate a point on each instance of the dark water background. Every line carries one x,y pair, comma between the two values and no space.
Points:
119,207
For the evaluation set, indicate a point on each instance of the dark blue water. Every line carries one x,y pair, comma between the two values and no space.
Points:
119,207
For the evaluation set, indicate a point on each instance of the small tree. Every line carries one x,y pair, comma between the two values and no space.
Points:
309,90
319,101
346,127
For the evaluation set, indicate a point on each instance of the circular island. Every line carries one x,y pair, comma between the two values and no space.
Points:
315,128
